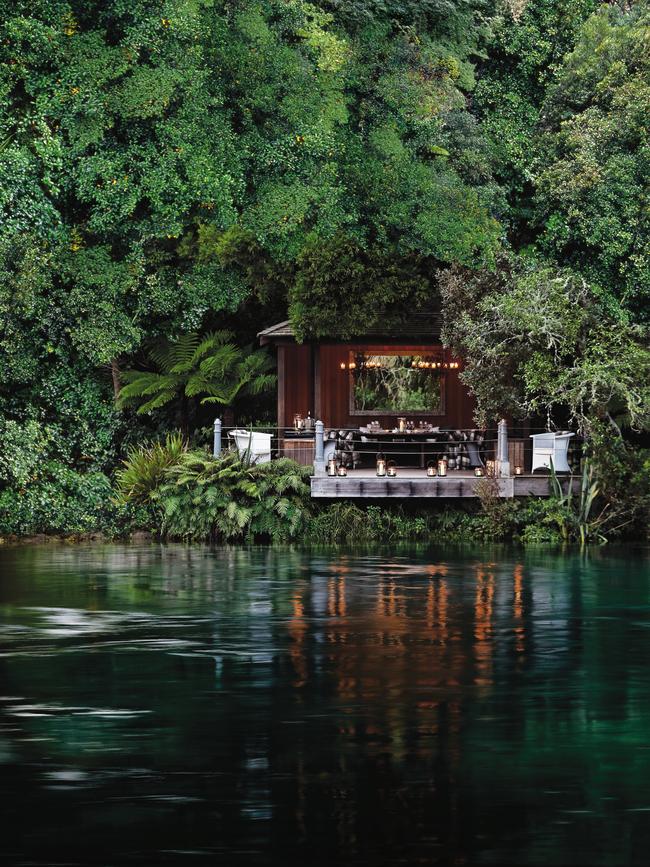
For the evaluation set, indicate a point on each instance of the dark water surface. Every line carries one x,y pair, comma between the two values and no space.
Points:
171,705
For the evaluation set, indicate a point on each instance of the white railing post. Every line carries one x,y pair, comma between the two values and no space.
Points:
319,449
216,448
502,450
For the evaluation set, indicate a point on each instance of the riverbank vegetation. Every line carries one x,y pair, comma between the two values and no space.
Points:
176,175
189,495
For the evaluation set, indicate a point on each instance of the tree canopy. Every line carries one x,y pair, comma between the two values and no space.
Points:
179,167
594,177
540,342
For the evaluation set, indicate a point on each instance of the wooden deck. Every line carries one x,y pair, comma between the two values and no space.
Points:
410,483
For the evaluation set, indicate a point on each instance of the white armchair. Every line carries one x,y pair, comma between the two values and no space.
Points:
252,445
551,447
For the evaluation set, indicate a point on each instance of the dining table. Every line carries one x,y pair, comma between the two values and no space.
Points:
418,436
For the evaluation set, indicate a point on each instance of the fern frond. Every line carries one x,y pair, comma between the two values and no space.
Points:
212,342
161,399
179,358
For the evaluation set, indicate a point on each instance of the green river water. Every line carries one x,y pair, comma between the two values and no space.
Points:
187,705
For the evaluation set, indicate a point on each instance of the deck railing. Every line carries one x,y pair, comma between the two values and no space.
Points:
506,446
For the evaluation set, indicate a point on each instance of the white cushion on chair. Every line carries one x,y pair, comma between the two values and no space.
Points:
551,448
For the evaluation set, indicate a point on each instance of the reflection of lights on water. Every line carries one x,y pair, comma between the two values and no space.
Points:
518,608
411,630
436,608
437,569
483,607
298,628
333,597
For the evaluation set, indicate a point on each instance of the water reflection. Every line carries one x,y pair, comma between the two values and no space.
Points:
281,706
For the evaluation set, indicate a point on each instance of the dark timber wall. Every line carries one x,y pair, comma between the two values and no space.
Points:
310,379
295,382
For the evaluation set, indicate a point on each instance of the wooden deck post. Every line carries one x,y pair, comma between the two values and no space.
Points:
319,449
502,450
216,449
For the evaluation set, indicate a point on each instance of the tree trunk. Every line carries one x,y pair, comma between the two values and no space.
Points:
228,416
115,374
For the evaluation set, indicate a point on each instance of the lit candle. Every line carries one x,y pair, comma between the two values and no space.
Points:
519,471
381,466
431,470
331,466
402,424
342,471
392,469
442,467
478,472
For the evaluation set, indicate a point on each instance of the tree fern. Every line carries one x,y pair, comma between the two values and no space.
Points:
192,366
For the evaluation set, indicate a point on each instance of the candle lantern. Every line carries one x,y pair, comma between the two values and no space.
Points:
381,465
432,470
478,472
342,471
490,468
331,465
442,467
391,469
519,471
298,422
401,424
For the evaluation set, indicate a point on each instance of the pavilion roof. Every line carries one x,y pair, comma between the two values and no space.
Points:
419,325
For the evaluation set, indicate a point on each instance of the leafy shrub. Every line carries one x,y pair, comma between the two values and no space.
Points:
224,499
540,534
455,525
23,447
284,499
339,522
62,500
623,474
143,471
40,492
499,514
347,523
574,513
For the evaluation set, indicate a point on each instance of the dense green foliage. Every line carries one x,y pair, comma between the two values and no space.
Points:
593,179
175,170
200,498
143,471
192,496
538,341
211,368
525,49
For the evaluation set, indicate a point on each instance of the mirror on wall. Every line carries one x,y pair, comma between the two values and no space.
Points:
396,383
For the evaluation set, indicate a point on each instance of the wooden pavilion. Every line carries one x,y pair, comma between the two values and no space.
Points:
315,377
395,392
